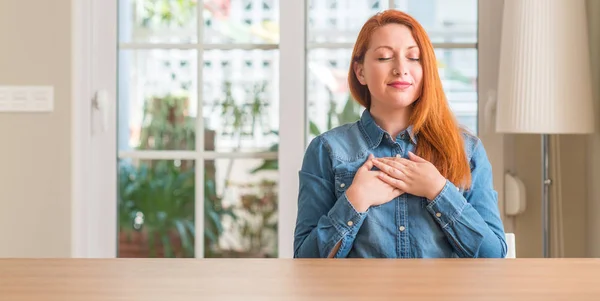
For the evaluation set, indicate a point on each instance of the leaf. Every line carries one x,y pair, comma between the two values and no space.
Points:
266,165
314,130
183,235
166,244
349,113
216,219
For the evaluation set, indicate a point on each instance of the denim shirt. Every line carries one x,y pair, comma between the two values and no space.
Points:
456,223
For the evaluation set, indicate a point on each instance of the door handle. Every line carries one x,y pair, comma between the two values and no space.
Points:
101,104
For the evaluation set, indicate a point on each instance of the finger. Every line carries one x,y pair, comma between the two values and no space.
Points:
389,169
405,167
415,158
396,192
394,163
368,165
407,164
396,183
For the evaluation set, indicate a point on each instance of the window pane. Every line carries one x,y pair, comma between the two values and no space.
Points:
157,21
156,208
339,21
445,20
330,103
157,99
458,71
240,206
240,99
241,21
329,100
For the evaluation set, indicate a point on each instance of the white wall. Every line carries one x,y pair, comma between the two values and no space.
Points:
35,49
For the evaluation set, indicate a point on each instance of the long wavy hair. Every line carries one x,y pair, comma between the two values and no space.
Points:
440,138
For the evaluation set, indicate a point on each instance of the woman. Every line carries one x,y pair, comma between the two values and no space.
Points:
403,181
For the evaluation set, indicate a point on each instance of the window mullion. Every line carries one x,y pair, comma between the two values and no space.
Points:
199,164
292,132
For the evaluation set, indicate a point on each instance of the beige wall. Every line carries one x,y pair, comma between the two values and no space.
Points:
593,208
35,49
575,169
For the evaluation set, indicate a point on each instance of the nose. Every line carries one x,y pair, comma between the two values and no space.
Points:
399,68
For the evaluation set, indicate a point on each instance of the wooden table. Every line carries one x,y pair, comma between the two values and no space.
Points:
299,279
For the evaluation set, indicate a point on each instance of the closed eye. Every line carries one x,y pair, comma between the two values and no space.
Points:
414,59
384,58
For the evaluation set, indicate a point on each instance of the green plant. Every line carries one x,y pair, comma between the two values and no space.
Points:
260,206
157,197
350,113
256,213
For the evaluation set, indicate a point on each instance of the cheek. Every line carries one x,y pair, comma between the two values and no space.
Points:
417,74
377,75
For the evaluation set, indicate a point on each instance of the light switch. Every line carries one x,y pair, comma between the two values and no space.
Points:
26,98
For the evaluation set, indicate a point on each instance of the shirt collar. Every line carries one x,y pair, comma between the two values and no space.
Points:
374,133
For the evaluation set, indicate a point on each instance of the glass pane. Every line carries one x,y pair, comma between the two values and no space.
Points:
329,101
339,21
458,71
241,21
157,99
445,20
240,99
156,208
157,21
241,199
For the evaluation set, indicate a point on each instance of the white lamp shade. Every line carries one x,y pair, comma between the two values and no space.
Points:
544,85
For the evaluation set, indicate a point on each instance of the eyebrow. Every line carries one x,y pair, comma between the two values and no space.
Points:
390,48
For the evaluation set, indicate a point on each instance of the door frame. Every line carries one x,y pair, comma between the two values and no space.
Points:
93,169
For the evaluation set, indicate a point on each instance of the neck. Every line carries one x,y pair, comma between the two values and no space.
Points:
391,121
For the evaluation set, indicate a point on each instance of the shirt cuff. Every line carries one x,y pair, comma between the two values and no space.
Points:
448,205
344,217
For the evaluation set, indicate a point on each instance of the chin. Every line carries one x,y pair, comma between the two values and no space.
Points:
398,103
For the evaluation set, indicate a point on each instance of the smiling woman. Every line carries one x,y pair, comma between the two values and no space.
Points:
431,194
220,74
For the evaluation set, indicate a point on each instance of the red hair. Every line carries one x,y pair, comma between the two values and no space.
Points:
440,137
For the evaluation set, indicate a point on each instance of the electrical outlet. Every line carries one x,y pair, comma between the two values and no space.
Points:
26,98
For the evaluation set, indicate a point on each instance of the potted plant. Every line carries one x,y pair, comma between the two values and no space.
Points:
156,198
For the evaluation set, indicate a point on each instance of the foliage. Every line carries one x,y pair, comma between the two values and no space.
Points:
157,197
349,113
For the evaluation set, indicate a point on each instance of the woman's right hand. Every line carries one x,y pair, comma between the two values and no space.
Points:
367,189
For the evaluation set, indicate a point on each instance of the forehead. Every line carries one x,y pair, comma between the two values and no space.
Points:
392,35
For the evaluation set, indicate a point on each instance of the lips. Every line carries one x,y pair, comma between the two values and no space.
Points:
402,85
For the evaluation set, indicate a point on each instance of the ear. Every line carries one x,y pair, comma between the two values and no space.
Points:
359,72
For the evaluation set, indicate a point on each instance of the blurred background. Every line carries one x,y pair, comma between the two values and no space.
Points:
194,131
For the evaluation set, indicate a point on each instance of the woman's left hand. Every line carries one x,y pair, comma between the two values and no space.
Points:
415,175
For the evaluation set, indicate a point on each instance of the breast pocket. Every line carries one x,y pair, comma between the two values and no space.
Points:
342,182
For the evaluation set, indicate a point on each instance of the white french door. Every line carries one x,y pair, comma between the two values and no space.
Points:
202,111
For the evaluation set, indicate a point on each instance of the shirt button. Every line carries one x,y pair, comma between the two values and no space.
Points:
438,214
342,185
398,156
402,228
350,223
